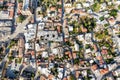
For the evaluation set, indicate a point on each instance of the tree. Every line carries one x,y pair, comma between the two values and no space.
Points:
106,25
119,7
96,7
113,12
1,49
72,77
76,61
101,18
88,23
21,18
20,1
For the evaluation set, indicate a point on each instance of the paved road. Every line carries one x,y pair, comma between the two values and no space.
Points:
19,29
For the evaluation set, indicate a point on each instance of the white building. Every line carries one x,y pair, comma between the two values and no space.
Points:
58,50
76,46
80,37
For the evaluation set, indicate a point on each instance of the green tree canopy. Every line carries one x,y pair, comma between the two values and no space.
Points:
113,12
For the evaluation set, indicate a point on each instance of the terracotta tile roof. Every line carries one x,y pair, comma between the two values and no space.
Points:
67,53
76,67
21,42
58,29
1,0
104,51
42,78
32,53
103,71
101,62
99,57
111,20
94,67
82,62
50,77
65,79
20,52
83,29
66,39
52,8
11,13
95,47
74,55
60,10
77,74
70,56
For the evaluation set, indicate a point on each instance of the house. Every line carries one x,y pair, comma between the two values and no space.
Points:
70,28
1,2
37,48
74,55
4,31
26,4
52,14
24,8
103,6
112,66
76,46
41,25
80,37
104,51
51,77
57,50
89,11
44,54
117,2
88,37
50,35
83,29
66,32
60,73
28,46
103,71
78,5
43,77
44,71
117,72
86,4
68,5
88,50
116,29
27,72
117,59
52,8
111,21
21,46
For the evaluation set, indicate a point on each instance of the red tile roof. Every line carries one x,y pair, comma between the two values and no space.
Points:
104,51
11,13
